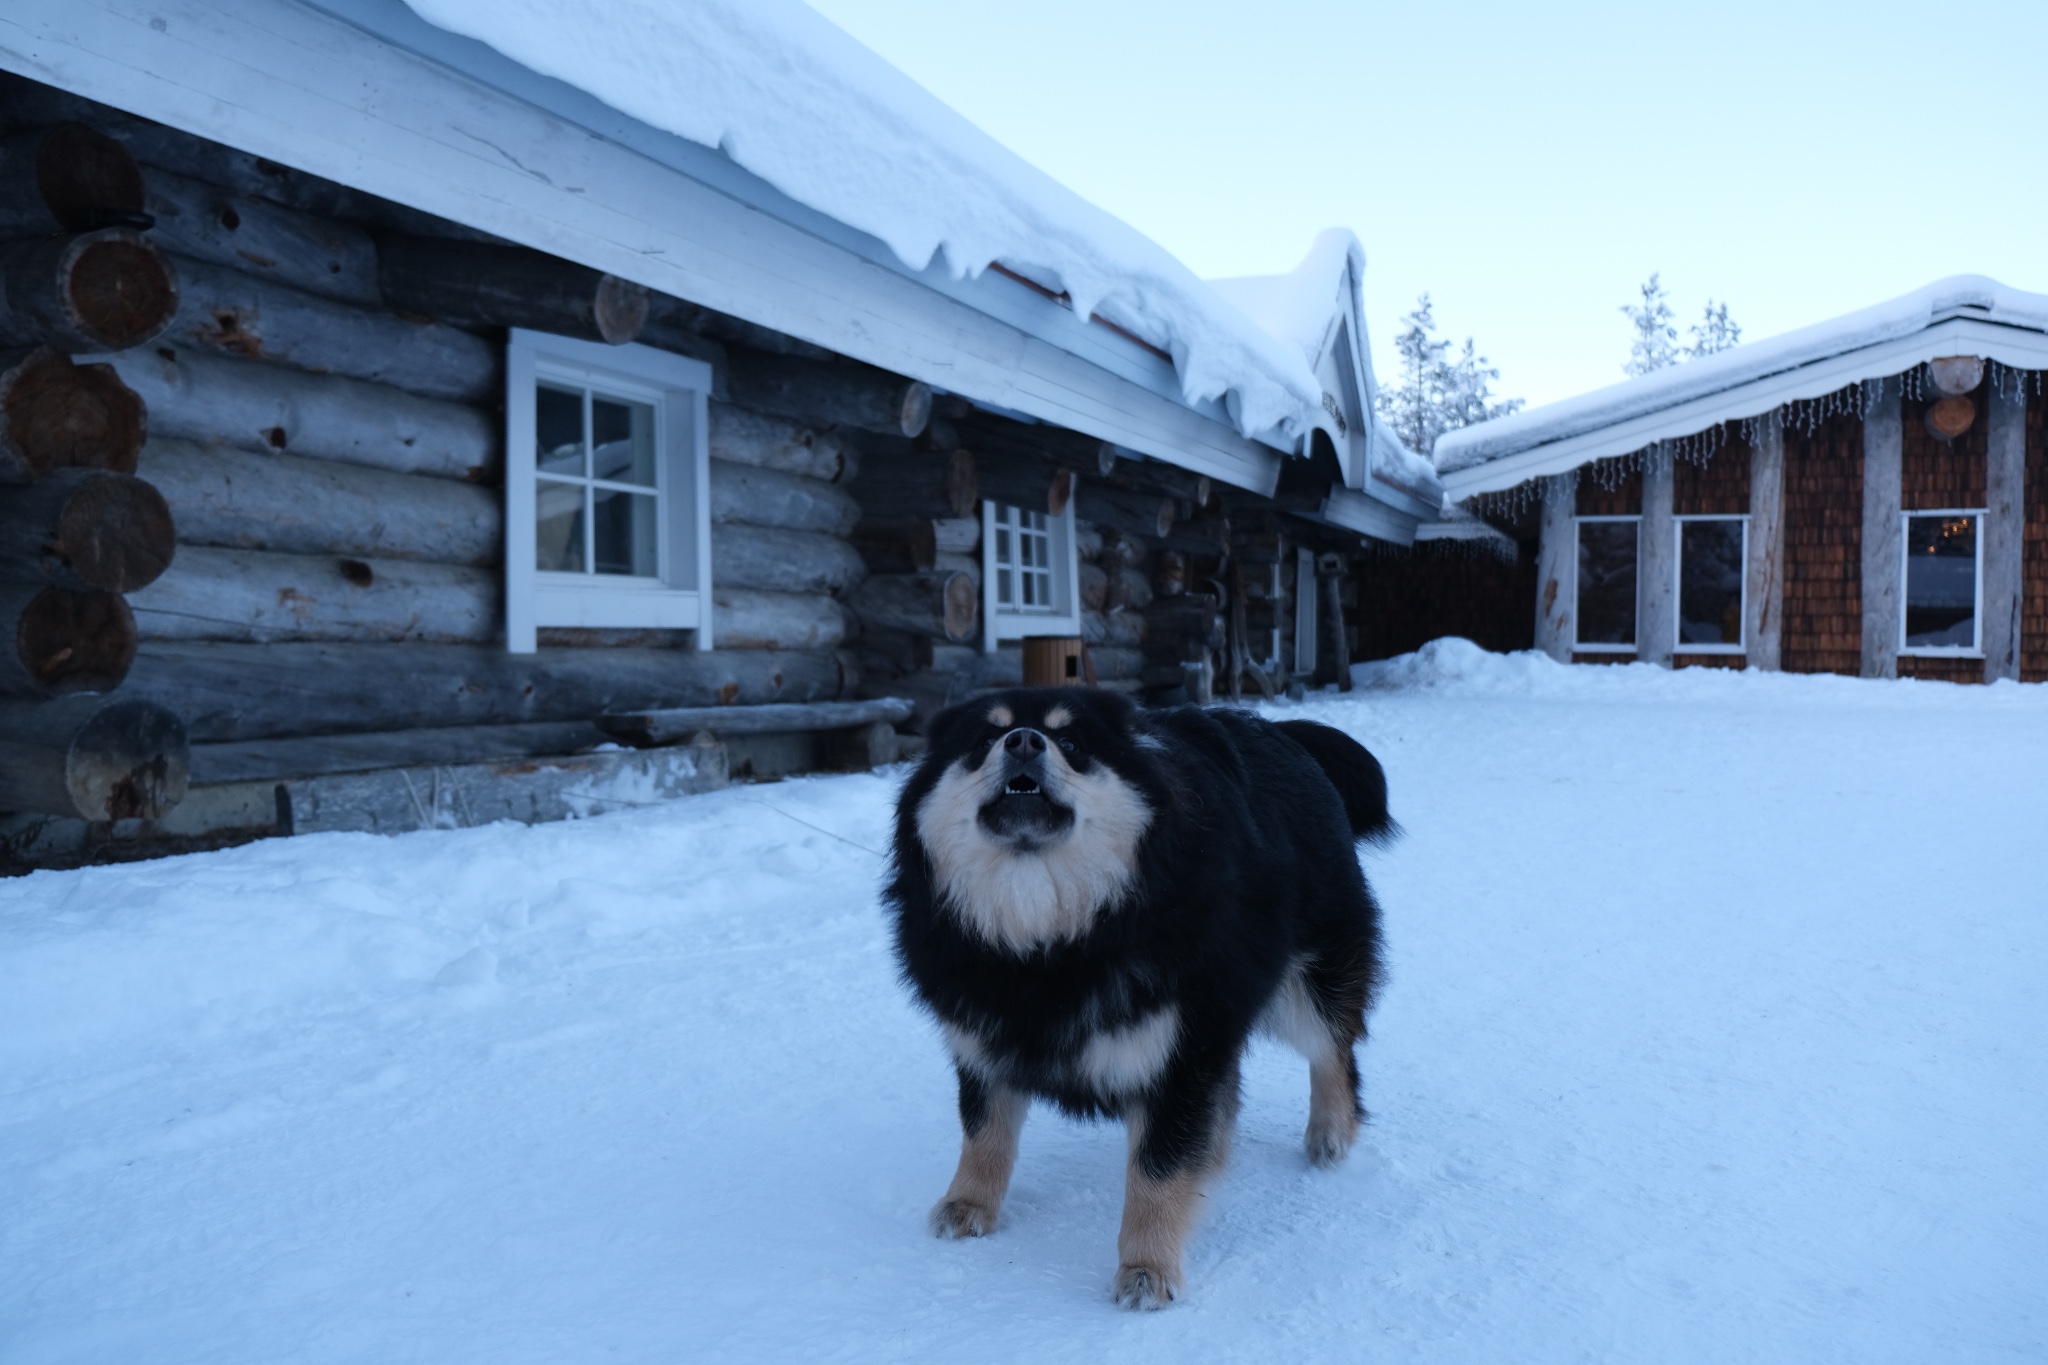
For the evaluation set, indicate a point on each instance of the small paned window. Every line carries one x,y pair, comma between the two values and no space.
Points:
607,491
1710,572
1941,583
1606,608
1030,582
598,503
1023,560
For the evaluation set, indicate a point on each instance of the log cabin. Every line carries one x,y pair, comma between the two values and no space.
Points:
401,427
1867,496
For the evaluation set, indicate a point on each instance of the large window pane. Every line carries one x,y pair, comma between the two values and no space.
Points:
1941,582
558,430
1710,582
623,525
622,441
558,515
1607,583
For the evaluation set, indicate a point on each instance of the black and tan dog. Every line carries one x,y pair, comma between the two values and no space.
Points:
1101,905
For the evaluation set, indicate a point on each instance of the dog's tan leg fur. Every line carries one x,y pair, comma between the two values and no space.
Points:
1158,1214
1332,1108
986,1159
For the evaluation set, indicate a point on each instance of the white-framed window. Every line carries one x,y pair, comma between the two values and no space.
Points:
607,488
1604,609
1030,584
1942,584
1712,564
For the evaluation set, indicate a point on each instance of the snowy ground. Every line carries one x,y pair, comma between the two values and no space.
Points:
1718,1031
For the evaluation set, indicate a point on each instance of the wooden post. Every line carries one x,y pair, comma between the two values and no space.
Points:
2005,528
477,284
1556,561
57,415
1657,561
1763,595
1330,568
99,291
85,528
92,758
1884,528
55,640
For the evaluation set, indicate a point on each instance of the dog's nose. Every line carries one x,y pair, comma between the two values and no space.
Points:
1024,742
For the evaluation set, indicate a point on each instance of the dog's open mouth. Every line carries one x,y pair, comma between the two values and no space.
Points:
1022,813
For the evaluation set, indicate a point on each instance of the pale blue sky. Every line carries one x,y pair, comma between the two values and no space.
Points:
1529,165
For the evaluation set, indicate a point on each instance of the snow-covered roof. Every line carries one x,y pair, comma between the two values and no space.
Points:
1318,309
798,102
1961,315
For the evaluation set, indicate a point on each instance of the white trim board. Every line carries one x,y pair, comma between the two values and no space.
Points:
289,82
2017,347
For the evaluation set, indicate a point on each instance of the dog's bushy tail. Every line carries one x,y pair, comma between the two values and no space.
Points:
1354,772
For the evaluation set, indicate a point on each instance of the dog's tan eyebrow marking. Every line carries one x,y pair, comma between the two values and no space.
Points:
1000,715
1058,716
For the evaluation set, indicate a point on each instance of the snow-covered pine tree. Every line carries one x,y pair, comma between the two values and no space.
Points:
1714,332
1438,392
1656,340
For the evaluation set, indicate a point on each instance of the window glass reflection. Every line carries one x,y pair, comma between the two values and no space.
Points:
1710,582
1607,583
1941,582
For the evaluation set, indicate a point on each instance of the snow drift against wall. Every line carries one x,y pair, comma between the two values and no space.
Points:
801,104
1969,296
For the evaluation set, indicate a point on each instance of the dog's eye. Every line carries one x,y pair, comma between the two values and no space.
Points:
1066,745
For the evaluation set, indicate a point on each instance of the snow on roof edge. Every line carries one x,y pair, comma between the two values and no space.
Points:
800,103
1740,365
1301,306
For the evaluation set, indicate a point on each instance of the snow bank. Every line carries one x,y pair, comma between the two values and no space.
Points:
1714,1032
800,103
1974,296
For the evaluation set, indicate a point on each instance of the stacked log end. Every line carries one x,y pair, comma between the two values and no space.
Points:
78,530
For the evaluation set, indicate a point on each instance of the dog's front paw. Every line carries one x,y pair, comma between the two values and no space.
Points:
1330,1143
955,1218
1143,1288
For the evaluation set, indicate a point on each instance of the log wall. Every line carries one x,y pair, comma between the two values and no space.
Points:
1824,547
333,463
1441,588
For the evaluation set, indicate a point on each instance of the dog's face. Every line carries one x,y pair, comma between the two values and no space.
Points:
1034,811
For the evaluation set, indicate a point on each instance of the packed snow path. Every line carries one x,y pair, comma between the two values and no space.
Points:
1717,1031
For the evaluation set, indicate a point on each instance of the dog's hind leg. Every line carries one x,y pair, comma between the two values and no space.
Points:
1175,1145
1333,1108
991,1116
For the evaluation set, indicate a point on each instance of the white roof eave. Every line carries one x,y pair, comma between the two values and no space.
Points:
1958,334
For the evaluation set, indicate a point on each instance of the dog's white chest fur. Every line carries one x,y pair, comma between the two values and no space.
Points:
1023,900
